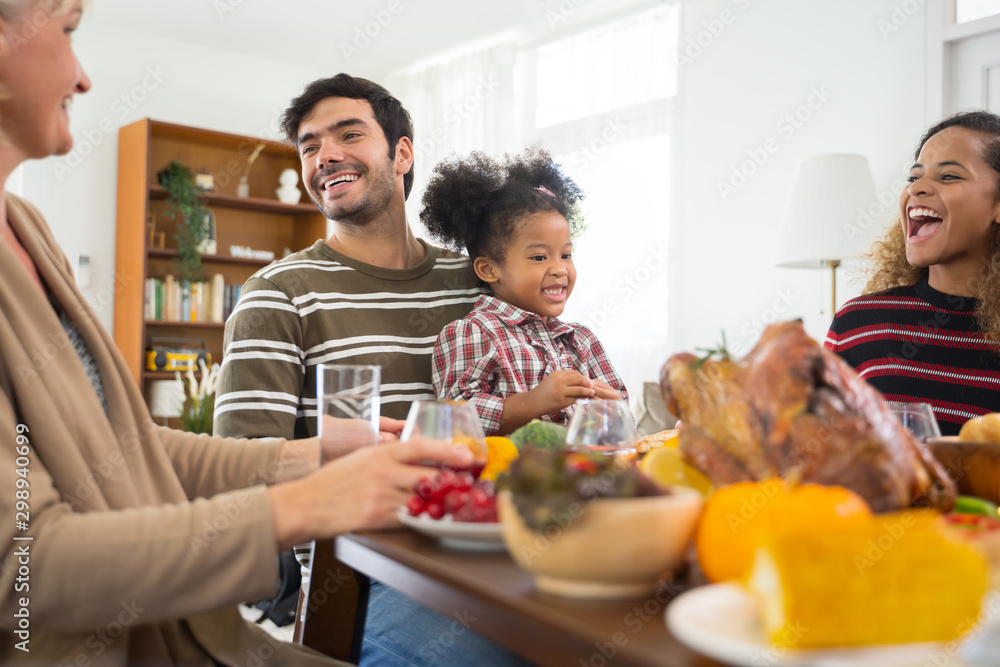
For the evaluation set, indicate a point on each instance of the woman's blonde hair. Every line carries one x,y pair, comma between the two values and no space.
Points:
11,9
887,265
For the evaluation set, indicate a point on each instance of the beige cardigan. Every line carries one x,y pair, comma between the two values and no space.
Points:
144,538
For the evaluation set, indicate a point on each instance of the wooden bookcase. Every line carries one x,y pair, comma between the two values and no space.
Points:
260,222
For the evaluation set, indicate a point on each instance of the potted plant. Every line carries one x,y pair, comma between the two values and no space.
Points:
185,198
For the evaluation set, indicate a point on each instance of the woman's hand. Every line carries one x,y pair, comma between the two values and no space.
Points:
359,490
389,429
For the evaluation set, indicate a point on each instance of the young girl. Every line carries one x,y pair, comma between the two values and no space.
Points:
511,357
928,327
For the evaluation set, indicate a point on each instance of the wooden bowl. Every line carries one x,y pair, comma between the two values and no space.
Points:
613,548
975,466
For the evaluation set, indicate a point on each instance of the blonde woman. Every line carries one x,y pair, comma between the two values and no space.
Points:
928,327
125,543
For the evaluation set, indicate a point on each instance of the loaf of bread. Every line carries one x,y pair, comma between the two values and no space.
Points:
981,429
656,440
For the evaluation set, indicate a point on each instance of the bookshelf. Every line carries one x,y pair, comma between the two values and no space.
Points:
259,221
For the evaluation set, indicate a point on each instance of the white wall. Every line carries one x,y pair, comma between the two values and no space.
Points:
760,66
137,76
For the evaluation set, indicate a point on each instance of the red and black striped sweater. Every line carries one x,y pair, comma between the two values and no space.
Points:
914,343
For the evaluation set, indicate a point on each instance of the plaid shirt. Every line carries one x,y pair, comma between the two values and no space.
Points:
499,350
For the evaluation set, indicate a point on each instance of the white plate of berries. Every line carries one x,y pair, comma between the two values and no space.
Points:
457,509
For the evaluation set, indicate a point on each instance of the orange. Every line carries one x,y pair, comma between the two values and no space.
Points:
665,466
737,518
501,452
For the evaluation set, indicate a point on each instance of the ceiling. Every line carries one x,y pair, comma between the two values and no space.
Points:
366,37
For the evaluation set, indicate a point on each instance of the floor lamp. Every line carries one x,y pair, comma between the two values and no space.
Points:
831,193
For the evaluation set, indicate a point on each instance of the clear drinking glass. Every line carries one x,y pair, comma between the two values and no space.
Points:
349,403
451,421
605,426
918,418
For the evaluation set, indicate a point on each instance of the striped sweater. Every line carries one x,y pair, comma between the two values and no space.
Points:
319,306
916,344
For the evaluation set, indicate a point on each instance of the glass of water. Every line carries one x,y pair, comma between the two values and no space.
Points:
918,418
348,397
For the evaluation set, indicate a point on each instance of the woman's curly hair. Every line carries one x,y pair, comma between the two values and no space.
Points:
887,257
477,202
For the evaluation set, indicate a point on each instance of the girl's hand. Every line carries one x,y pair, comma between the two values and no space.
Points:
605,391
559,390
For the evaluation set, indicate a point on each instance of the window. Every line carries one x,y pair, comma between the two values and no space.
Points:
603,107
971,10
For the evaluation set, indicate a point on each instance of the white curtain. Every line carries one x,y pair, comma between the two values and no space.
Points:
603,107
458,106
600,100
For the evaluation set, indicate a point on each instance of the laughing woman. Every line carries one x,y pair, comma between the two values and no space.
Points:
927,328
119,558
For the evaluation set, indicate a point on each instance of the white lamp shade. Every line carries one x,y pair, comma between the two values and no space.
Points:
166,398
831,192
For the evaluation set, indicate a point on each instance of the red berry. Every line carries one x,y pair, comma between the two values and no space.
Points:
447,479
479,498
435,510
455,499
465,513
416,505
424,487
464,481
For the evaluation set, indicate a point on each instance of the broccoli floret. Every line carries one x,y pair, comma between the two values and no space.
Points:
540,434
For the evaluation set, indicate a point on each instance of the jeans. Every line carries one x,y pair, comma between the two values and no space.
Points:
402,633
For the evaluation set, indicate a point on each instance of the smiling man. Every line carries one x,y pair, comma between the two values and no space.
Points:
371,293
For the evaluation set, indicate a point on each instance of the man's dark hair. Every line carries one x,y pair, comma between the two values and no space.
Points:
389,112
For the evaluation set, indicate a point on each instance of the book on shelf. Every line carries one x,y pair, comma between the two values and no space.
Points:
170,299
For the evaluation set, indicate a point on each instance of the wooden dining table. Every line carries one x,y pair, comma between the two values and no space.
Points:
486,593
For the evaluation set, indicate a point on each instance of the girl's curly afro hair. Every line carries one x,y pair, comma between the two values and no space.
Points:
476,203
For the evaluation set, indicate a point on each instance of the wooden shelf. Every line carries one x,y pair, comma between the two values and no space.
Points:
193,325
211,259
245,203
166,375
145,147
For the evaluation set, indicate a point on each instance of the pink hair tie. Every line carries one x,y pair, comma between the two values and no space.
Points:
545,191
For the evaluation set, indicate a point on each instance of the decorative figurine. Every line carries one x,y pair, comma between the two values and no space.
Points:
289,193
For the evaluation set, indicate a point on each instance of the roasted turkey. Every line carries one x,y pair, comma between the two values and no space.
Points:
792,405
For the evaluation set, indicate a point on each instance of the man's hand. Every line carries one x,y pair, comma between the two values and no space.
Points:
359,490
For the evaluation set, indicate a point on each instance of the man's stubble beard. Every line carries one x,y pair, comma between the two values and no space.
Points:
372,203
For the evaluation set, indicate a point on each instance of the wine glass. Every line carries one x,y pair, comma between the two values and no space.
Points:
918,418
349,403
451,421
604,426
